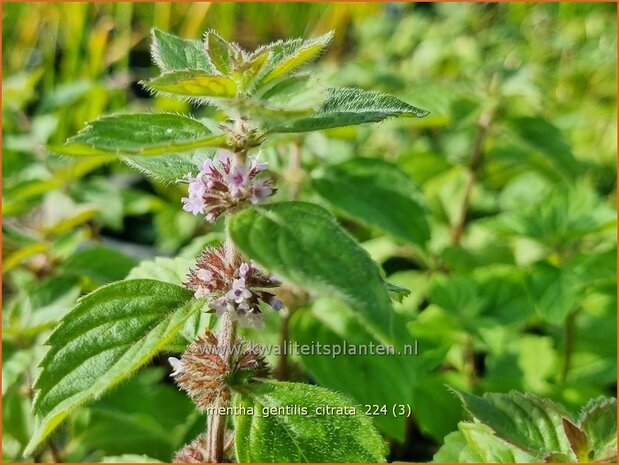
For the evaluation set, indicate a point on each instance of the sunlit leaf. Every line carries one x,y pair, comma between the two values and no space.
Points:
108,335
143,134
346,107
172,53
193,83
303,438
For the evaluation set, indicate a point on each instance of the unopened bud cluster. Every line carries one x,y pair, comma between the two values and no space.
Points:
194,452
206,374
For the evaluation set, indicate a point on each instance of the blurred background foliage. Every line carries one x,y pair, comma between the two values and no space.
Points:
515,289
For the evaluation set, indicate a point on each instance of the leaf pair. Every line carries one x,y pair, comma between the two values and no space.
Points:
256,85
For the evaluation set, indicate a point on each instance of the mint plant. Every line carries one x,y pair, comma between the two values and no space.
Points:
518,427
256,97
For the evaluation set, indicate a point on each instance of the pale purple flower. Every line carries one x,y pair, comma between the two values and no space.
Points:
260,191
257,166
243,270
224,184
239,293
194,205
238,177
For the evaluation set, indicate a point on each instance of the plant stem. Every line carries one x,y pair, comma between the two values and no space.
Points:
483,126
216,428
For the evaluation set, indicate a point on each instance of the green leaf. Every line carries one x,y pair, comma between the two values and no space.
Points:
144,415
598,419
553,291
377,193
47,302
13,368
109,334
219,52
346,107
296,95
299,437
397,293
169,169
169,270
302,242
530,422
173,53
458,295
545,138
558,217
287,56
331,323
193,83
101,264
476,443
141,134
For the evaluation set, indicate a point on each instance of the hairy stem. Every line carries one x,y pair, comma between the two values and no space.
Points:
483,127
216,420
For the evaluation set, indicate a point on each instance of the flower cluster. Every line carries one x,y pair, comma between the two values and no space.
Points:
206,377
233,285
224,184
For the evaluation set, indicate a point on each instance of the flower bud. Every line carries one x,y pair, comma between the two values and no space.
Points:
194,452
204,375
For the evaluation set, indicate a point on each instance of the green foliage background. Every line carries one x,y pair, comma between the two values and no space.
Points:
510,253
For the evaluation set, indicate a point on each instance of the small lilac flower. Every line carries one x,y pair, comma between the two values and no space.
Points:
238,177
224,184
257,166
239,293
261,191
220,306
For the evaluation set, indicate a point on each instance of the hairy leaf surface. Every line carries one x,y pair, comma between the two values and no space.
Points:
303,438
303,243
377,193
348,106
172,53
287,56
110,333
